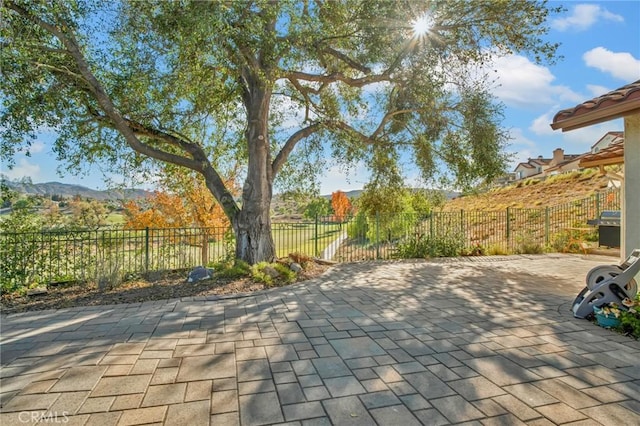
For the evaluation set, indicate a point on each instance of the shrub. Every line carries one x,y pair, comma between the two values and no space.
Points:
271,274
108,273
21,246
358,228
630,319
235,270
422,246
496,250
527,244
475,250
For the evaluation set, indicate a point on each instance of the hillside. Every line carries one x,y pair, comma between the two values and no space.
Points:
67,190
532,193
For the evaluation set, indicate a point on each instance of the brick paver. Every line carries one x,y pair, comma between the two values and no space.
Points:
481,341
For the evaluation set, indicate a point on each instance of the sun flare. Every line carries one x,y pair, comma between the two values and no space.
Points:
422,25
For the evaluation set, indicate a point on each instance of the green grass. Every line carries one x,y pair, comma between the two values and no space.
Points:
301,237
115,219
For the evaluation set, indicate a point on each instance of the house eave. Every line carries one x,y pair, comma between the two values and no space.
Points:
599,115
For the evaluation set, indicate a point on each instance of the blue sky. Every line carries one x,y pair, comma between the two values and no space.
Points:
600,45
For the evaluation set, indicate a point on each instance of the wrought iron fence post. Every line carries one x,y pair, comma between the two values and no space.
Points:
546,225
146,249
377,235
597,204
315,231
508,228
431,225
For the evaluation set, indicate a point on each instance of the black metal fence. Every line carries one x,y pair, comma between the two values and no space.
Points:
63,255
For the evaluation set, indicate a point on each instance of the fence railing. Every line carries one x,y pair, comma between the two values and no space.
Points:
63,255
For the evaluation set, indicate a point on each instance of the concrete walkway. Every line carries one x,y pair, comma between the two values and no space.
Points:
475,341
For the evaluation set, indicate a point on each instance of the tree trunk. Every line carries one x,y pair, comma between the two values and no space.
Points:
254,242
252,224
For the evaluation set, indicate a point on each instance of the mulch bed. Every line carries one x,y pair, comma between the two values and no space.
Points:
170,285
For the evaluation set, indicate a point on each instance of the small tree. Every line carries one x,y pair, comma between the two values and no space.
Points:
89,214
341,206
317,207
188,204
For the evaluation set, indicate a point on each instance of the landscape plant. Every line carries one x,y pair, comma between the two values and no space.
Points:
22,259
630,317
447,244
270,273
278,85
528,243
341,206
318,207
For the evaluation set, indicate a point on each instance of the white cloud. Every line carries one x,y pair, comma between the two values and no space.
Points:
542,124
597,90
527,85
583,17
518,138
521,148
582,139
35,148
336,178
23,169
621,65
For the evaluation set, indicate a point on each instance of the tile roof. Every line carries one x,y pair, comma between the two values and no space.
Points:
615,104
613,154
540,161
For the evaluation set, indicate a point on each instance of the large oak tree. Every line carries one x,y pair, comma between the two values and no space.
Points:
280,85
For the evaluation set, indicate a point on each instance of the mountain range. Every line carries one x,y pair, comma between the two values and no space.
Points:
68,190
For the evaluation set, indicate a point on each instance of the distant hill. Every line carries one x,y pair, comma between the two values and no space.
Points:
67,190
350,194
533,193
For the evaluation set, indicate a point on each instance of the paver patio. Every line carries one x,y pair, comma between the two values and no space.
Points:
476,341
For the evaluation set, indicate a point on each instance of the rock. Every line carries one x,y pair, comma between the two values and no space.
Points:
37,291
295,267
200,273
271,271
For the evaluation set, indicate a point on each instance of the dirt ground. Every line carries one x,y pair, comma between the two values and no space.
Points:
161,286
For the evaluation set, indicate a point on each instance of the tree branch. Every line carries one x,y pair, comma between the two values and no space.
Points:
60,71
128,128
338,76
344,58
281,157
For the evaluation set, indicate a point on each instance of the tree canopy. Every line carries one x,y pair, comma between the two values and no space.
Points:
279,87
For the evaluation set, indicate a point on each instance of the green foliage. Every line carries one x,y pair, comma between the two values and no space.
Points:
287,276
229,241
271,274
21,262
630,318
423,246
630,323
108,273
392,211
560,243
211,85
358,227
475,250
528,244
317,207
232,270
497,250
